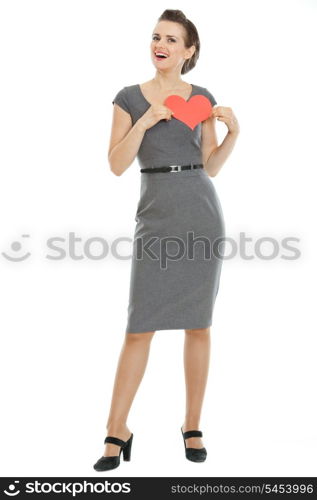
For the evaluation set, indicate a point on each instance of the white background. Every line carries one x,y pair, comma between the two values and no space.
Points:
63,321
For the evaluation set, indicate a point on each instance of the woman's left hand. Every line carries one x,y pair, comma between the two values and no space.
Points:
226,115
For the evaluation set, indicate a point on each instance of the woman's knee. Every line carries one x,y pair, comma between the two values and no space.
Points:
139,337
198,332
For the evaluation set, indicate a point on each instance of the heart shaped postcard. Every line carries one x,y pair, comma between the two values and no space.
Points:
197,109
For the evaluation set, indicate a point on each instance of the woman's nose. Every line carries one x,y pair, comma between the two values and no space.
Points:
160,48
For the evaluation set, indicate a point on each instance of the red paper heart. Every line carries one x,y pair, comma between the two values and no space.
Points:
191,112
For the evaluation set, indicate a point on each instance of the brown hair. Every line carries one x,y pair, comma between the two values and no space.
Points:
191,38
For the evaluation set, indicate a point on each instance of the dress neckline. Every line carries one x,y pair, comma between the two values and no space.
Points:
142,95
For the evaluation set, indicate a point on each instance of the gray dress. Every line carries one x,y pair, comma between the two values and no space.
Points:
178,245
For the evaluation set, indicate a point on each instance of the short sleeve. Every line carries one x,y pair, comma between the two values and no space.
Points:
210,97
122,99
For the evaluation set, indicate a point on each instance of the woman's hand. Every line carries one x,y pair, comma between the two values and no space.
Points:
227,116
154,114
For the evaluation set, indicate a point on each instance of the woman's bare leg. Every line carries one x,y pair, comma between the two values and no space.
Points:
130,370
196,366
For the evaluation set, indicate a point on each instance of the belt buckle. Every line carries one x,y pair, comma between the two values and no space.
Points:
178,168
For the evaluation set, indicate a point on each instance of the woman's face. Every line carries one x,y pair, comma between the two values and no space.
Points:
168,39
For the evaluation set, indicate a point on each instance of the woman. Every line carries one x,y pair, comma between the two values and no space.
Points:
168,290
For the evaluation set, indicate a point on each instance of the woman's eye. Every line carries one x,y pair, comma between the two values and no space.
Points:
155,37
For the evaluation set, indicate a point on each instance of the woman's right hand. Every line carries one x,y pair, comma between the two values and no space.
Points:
154,114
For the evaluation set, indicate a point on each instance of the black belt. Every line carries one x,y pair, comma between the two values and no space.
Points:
171,168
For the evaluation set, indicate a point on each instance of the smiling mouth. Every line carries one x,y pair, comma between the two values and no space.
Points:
159,56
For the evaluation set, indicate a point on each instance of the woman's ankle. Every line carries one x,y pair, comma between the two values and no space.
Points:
189,425
116,428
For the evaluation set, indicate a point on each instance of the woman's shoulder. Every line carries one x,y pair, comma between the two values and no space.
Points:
127,89
199,89
125,97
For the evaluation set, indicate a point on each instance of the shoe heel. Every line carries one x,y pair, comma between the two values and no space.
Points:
127,450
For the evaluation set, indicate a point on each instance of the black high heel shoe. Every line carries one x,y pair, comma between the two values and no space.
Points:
194,454
107,463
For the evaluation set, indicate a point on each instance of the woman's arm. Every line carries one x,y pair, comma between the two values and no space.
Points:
214,156
220,154
125,140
